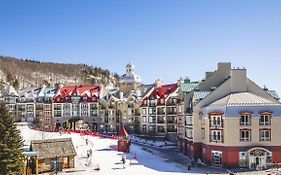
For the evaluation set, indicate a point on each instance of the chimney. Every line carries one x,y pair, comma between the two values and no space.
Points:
158,83
238,80
208,74
180,81
225,66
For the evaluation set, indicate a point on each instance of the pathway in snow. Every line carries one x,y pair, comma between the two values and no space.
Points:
149,161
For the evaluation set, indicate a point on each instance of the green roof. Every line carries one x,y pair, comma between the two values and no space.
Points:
187,87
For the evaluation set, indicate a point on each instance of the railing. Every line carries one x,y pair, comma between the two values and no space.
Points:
151,104
160,121
171,103
111,106
160,112
171,112
171,121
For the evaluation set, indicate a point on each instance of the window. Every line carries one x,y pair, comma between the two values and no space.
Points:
216,121
144,119
265,135
144,128
143,111
216,157
84,106
245,135
245,120
188,133
216,136
84,113
265,119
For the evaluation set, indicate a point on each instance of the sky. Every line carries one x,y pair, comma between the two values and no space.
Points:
165,39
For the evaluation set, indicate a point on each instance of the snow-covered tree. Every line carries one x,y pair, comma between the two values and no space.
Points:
11,142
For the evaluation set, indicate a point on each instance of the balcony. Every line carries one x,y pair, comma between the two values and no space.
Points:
152,104
171,103
171,121
111,106
21,109
171,112
160,121
160,112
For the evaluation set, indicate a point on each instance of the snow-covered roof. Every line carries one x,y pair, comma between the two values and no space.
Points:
10,90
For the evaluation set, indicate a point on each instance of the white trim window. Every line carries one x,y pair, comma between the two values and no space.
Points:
216,121
265,119
245,120
216,136
245,135
144,119
265,135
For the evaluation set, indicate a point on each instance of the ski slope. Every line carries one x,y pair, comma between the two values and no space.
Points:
105,156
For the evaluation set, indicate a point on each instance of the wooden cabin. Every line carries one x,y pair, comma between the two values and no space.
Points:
53,151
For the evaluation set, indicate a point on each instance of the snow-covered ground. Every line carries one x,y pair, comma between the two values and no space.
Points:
105,156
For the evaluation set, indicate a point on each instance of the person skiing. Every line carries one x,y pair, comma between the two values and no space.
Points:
123,161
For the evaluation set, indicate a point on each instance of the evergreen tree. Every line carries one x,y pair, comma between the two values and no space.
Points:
11,143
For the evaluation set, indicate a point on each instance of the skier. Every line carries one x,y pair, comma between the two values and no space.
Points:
123,161
86,141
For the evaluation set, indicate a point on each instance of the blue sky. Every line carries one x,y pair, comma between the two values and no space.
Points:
164,39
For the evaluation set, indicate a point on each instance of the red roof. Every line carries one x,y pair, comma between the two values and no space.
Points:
161,92
123,132
82,91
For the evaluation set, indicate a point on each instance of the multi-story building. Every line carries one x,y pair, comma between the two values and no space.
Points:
159,109
44,108
236,123
9,97
118,110
26,103
184,112
75,107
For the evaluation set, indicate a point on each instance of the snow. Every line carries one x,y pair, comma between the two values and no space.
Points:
105,156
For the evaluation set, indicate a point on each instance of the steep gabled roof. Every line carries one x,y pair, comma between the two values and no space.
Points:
10,90
89,91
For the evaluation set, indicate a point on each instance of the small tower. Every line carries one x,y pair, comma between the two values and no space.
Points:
123,141
130,81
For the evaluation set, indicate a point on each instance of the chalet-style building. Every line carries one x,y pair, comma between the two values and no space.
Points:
159,109
43,107
117,110
74,106
233,122
9,97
